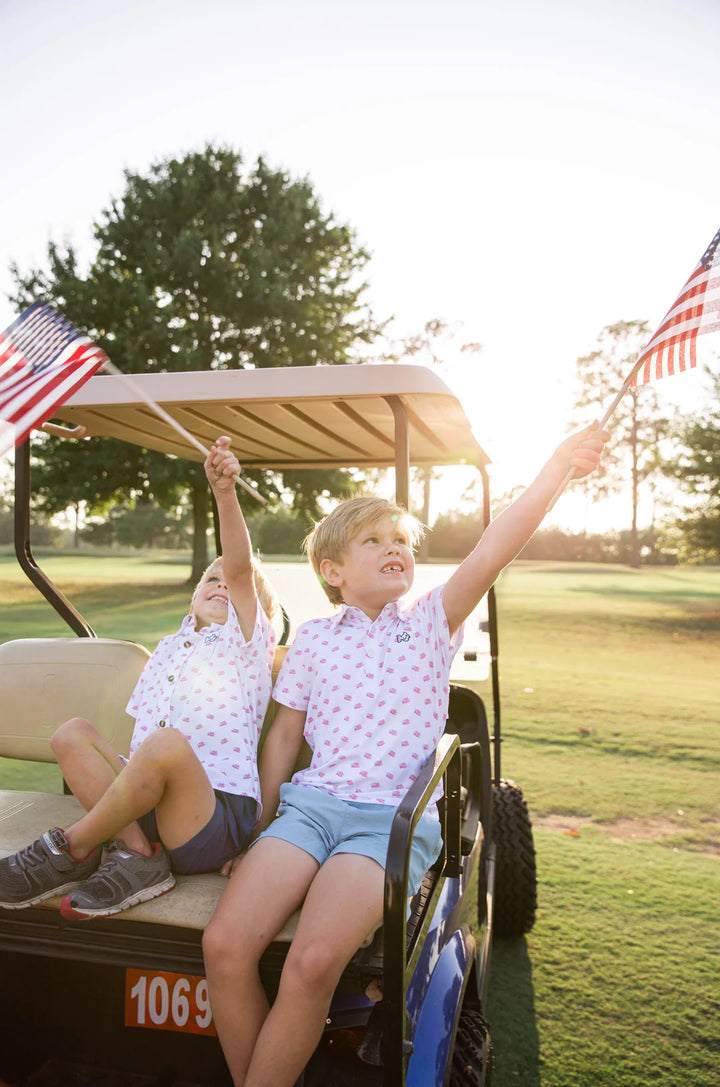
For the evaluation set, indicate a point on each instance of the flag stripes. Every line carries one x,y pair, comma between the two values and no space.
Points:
695,312
44,358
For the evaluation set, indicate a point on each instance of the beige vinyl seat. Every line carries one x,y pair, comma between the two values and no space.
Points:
45,681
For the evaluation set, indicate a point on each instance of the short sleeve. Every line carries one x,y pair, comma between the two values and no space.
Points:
429,611
295,680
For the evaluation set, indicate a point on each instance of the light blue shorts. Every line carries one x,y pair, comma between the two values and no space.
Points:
324,825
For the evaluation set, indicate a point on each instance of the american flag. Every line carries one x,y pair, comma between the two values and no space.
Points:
44,358
695,312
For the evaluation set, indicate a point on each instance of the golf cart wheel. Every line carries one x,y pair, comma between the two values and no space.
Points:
472,1060
515,898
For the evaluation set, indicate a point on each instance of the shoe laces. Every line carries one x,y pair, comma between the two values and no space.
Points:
36,854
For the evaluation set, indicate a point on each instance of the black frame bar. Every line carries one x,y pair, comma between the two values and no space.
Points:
398,961
23,550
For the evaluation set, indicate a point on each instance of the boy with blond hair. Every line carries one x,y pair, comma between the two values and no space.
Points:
368,688
188,797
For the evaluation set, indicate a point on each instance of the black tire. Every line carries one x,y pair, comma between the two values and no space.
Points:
472,1061
515,896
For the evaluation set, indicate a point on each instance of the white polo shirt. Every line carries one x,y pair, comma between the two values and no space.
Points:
375,694
214,687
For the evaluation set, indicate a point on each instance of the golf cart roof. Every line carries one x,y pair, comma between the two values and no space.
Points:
294,417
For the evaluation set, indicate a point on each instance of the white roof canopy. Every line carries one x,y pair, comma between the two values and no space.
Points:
290,417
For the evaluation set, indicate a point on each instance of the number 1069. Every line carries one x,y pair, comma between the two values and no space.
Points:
164,1001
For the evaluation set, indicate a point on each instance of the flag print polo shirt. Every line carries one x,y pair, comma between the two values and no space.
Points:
375,694
214,687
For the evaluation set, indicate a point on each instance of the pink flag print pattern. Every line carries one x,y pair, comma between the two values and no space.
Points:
44,359
375,695
695,312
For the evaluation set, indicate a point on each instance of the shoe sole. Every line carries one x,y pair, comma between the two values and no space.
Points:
71,913
72,886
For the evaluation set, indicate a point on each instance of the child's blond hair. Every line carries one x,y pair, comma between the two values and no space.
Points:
330,537
267,599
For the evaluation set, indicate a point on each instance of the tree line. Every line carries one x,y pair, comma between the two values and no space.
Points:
206,263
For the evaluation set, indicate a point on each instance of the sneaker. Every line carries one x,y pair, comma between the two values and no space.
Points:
42,869
123,879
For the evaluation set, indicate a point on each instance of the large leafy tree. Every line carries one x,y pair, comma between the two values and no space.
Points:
201,265
697,468
638,425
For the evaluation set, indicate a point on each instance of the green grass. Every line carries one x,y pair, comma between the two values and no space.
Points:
617,984
610,682
138,598
610,685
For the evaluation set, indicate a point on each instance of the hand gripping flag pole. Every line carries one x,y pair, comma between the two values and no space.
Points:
44,359
695,312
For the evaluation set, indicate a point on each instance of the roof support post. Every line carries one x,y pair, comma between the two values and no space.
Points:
496,737
402,451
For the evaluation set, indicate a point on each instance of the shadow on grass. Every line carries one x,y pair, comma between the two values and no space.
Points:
511,1014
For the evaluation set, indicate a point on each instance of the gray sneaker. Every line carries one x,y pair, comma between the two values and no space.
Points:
42,869
123,879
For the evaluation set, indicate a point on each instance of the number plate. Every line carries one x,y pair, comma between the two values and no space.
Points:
163,1001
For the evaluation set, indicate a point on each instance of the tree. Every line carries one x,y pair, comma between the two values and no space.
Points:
202,265
697,468
278,532
638,426
432,345
140,525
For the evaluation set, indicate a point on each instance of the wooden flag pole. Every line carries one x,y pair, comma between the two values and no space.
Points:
681,324
112,369
602,424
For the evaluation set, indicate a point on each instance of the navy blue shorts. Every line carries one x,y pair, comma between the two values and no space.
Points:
222,838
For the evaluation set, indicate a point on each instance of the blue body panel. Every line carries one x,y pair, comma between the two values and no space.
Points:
435,1028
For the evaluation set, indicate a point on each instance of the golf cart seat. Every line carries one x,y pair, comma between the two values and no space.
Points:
46,681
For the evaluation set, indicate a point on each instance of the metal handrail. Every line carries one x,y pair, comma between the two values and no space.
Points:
447,764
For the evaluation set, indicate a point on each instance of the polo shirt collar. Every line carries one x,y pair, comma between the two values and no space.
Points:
187,628
349,615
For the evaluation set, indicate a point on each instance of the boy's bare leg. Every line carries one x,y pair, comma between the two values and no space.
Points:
89,765
165,774
343,904
266,888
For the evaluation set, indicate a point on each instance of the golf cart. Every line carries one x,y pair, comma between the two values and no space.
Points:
123,1000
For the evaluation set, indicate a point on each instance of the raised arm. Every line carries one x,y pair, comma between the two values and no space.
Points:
221,466
506,536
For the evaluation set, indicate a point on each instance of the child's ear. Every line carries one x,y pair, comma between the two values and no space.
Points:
329,571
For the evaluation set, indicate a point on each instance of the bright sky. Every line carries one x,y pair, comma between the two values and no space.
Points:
529,171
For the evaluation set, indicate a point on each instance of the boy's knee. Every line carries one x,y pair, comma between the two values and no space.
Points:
70,733
222,948
212,941
166,745
313,966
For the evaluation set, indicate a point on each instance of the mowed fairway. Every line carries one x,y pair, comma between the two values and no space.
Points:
610,683
611,713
